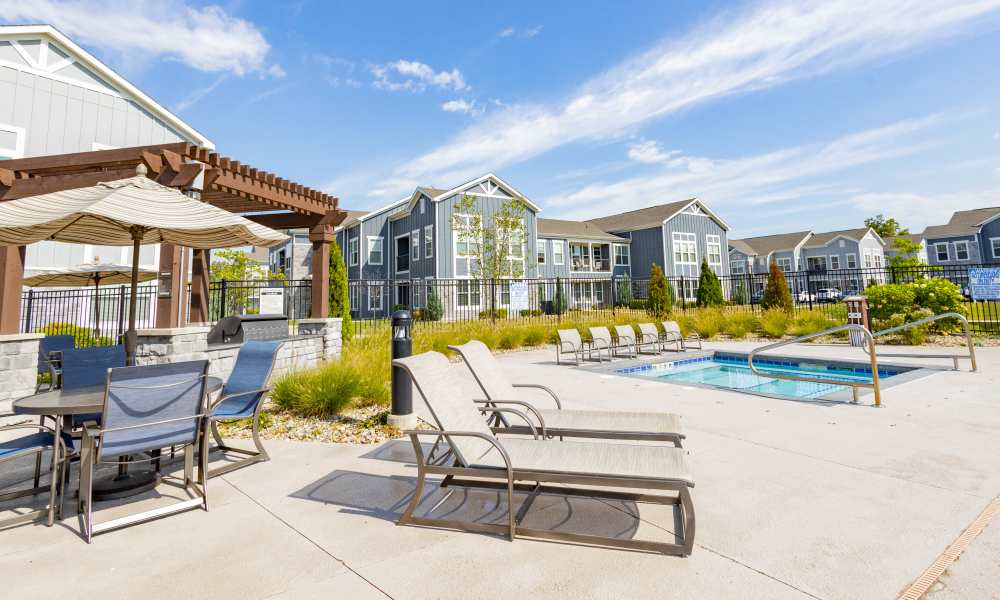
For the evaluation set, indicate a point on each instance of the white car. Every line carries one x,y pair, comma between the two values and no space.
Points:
805,296
829,295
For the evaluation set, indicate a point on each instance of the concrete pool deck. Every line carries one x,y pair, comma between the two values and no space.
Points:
794,500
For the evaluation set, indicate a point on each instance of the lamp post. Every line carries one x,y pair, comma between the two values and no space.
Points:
402,416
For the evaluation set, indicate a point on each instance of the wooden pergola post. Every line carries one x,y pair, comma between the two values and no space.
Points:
321,235
11,280
200,278
168,308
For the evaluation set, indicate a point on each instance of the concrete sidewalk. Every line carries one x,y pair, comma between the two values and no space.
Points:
794,500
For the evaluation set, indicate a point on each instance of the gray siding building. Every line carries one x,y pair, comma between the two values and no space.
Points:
970,237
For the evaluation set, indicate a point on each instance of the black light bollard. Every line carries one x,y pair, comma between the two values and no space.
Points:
402,415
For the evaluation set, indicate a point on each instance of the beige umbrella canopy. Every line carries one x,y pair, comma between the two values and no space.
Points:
128,212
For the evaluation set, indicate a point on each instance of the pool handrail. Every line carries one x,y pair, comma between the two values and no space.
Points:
854,385
930,319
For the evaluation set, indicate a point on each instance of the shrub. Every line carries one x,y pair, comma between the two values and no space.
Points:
709,287
495,313
623,291
530,312
708,322
890,299
433,311
638,304
558,304
740,295
776,293
913,301
810,321
937,295
83,337
535,336
738,325
340,302
774,323
661,297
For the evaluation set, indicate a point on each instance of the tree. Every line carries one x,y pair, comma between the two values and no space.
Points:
433,311
740,296
493,245
709,287
661,295
885,227
340,298
907,253
623,293
235,264
776,292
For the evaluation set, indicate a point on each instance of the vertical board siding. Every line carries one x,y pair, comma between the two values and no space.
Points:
701,226
646,248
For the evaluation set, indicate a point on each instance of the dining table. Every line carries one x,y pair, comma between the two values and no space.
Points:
63,404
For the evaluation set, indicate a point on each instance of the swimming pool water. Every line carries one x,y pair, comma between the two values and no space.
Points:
731,371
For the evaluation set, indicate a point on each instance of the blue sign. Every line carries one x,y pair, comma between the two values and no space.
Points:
984,283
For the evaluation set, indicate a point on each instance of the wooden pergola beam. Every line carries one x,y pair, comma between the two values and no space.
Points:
35,186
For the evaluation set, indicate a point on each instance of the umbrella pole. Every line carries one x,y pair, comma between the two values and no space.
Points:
97,307
130,335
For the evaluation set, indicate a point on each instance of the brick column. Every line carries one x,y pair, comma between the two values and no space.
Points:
11,280
200,278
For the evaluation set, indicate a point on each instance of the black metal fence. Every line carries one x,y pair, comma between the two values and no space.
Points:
96,317
229,297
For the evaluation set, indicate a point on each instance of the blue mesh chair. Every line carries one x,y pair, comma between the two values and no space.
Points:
43,440
243,397
146,409
50,350
88,367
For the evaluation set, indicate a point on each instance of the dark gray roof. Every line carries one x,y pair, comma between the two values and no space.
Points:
557,228
963,222
431,192
352,217
766,244
822,239
643,218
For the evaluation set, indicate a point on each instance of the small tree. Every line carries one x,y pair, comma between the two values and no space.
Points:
340,297
709,287
623,293
661,295
776,292
234,264
740,295
433,311
559,300
885,227
907,253
495,245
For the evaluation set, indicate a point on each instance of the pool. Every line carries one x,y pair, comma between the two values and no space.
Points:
727,370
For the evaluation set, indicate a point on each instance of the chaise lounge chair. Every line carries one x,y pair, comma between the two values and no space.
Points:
603,340
479,454
570,342
558,422
672,335
648,337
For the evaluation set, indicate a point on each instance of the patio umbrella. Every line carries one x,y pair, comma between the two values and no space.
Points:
84,275
131,211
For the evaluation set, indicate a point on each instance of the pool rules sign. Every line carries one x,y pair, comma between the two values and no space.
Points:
984,283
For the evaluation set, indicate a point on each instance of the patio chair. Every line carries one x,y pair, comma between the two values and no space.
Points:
242,398
50,350
88,367
602,339
146,409
559,422
479,454
43,440
649,336
570,342
627,339
672,335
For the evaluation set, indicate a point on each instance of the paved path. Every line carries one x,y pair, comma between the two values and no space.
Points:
794,500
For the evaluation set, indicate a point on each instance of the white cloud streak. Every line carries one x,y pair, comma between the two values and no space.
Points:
204,38
765,46
461,105
415,76
197,94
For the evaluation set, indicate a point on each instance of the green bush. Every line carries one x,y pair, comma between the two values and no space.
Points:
433,311
558,304
83,337
810,321
890,302
890,299
709,287
638,304
774,323
661,297
623,291
937,295
530,312
776,292
739,325
740,295
496,313
339,299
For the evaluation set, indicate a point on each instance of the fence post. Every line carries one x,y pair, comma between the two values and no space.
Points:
557,298
683,293
809,295
28,307
493,300
614,296
121,311
222,298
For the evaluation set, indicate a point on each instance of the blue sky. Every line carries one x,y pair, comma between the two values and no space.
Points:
781,115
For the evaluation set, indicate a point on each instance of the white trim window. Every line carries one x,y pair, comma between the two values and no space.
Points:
415,244
852,261
962,250
816,263
375,300
429,241
13,134
375,250
713,244
685,248
877,260
579,256
867,257
465,252
558,252
785,264
468,294
995,247
352,252
941,252
623,256
834,262
540,252
354,295
737,267
515,253
400,259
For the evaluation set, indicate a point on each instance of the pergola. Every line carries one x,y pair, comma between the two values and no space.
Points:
256,194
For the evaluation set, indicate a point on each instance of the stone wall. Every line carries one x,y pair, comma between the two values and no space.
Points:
18,367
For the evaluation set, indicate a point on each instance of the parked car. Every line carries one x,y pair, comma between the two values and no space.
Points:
805,296
829,295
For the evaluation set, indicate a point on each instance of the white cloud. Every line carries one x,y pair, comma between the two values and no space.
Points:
266,94
204,38
197,94
767,45
463,106
415,76
509,31
921,210
528,32
532,31
649,152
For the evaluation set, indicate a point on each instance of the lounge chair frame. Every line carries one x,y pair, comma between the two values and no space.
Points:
577,347
649,336
609,344
681,341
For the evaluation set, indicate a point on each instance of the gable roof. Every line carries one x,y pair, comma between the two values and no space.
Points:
438,194
766,245
558,228
822,239
353,218
741,246
50,34
964,222
652,216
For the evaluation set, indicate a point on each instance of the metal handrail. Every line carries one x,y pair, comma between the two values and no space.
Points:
854,385
930,319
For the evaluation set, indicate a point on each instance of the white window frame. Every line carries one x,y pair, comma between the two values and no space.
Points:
589,256
381,296
784,263
852,258
995,247
352,252
468,285
354,296
709,244
833,258
540,252
737,267
684,244
20,135
512,245
414,245
627,254
395,259
428,241
968,253
937,252
558,258
815,259
422,201
380,242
